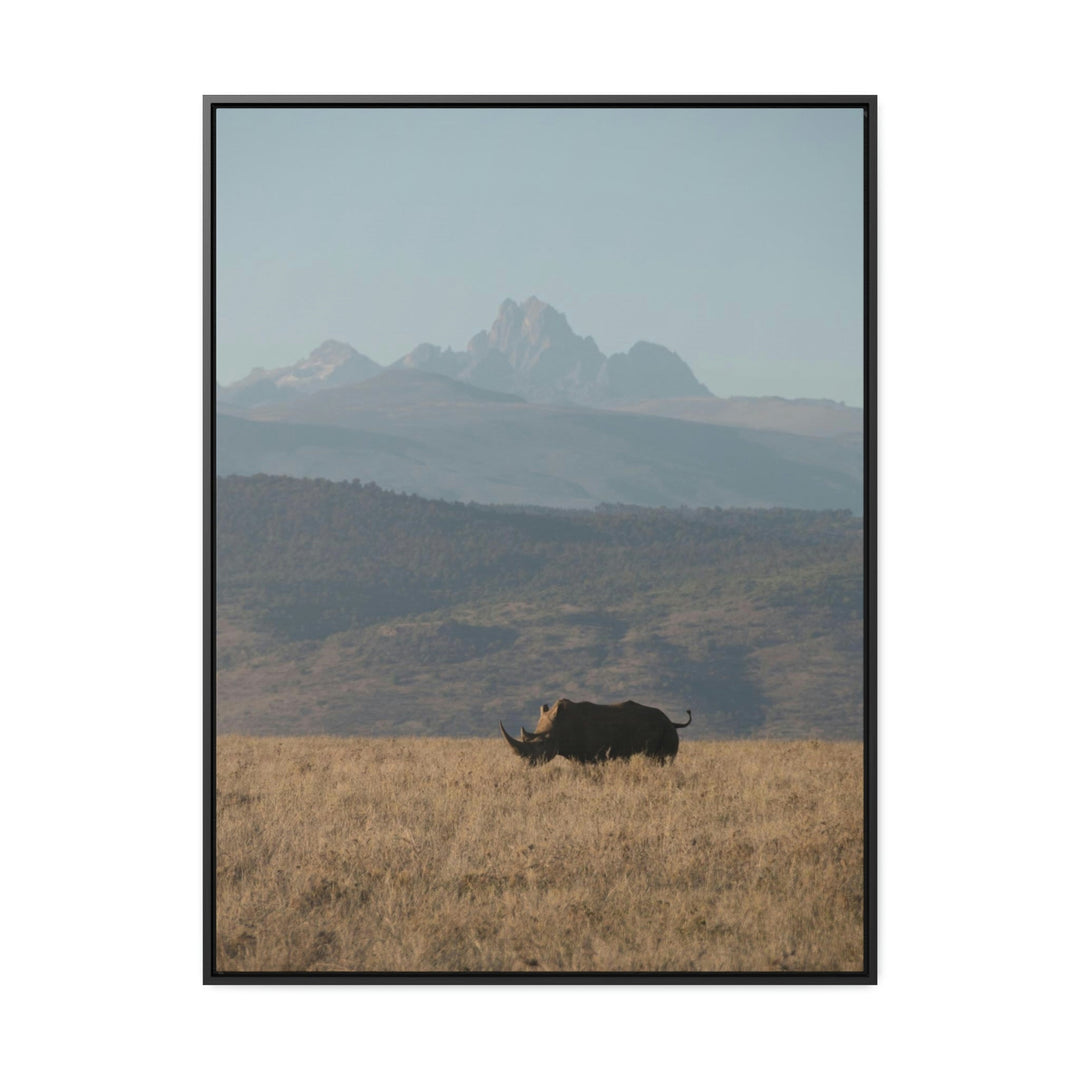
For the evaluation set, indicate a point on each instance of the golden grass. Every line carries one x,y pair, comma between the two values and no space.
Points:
386,855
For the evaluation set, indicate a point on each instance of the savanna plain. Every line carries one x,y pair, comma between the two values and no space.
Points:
361,854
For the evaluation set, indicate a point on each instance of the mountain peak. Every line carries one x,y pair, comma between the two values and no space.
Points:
533,333
327,358
650,371
532,351
533,312
333,363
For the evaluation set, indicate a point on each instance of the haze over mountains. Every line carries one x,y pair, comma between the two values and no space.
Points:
530,412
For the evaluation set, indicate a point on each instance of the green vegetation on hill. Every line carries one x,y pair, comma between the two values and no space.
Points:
345,608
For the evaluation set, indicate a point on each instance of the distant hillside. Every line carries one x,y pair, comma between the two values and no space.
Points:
423,433
393,389
344,608
798,416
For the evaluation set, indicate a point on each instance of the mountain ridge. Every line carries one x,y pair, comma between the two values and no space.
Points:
530,350
532,413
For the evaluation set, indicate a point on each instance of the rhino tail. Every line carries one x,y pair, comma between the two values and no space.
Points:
688,722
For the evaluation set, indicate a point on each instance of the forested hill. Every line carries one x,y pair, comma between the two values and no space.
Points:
346,608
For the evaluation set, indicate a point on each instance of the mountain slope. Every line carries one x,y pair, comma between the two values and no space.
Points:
416,432
798,416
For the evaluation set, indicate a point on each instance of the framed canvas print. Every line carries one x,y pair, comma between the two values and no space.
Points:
540,530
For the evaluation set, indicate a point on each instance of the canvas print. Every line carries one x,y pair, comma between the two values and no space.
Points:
540,598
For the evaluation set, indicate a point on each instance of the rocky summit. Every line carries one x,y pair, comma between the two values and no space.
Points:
531,351
333,363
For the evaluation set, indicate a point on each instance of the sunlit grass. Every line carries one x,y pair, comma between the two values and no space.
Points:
360,854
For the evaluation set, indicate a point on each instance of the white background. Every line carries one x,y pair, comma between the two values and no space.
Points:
102,485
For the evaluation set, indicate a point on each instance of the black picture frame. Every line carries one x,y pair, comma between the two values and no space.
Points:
868,104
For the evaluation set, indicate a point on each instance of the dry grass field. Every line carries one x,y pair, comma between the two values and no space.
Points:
451,855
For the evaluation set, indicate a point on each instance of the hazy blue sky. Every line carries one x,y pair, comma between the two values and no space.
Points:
733,236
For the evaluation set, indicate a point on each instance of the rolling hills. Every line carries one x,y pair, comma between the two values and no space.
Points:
343,608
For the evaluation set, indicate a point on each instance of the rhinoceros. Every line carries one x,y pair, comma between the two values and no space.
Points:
582,731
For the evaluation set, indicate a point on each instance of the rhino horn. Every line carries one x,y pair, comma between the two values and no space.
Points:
530,752
518,747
